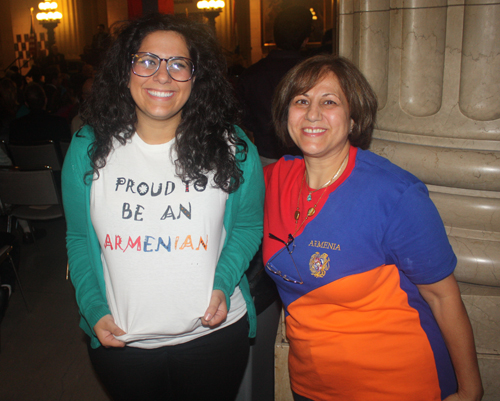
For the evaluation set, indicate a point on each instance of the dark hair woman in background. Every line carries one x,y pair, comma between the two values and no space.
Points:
359,254
163,198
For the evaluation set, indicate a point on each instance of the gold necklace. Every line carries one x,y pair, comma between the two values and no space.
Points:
309,197
312,210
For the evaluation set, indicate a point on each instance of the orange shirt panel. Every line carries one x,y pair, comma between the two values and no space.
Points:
360,326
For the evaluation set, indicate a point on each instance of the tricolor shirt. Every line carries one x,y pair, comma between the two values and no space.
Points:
358,327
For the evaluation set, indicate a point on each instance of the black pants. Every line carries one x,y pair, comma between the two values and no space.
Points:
297,397
208,368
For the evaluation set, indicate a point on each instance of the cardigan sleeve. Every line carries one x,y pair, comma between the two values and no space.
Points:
243,221
84,258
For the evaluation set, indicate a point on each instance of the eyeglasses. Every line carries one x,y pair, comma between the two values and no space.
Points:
180,69
289,246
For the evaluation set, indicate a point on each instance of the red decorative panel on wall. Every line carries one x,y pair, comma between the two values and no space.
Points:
166,6
135,7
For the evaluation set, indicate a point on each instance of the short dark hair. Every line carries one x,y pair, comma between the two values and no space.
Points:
206,133
360,96
35,96
291,27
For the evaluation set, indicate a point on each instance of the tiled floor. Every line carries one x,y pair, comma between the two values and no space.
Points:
43,353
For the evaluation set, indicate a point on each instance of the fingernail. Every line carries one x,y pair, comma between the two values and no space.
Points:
208,316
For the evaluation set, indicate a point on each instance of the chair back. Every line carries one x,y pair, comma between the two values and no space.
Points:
3,147
37,187
5,158
36,156
64,145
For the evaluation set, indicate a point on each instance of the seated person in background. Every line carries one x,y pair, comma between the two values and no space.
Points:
256,85
57,59
53,89
38,125
77,122
8,106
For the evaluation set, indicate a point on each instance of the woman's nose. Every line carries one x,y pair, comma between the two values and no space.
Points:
162,75
313,113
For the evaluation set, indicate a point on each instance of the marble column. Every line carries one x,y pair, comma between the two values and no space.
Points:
435,65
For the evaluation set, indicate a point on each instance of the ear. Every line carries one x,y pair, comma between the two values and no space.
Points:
352,125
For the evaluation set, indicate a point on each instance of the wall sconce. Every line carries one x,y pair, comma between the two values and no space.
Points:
314,16
49,18
211,9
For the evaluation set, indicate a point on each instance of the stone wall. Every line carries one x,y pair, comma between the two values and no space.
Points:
435,66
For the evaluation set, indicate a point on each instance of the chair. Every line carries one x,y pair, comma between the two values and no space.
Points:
32,195
36,155
5,254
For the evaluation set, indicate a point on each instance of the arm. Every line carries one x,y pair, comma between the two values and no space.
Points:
89,288
446,304
243,223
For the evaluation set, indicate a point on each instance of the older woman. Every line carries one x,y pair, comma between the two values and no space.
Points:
359,254
163,197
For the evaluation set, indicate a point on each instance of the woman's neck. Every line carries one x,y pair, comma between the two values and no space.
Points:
155,132
320,171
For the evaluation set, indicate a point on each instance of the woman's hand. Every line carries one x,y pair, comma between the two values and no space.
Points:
106,330
217,310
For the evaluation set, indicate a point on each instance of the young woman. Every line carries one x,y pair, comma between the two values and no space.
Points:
163,197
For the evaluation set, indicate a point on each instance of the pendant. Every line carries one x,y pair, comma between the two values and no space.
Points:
309,197
311,211
297,215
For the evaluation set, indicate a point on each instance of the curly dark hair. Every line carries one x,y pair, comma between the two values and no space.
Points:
360,96
205,137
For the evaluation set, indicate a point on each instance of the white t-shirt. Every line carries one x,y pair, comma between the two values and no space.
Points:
160,243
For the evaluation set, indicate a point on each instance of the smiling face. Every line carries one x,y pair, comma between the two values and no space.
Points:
158,98
319,120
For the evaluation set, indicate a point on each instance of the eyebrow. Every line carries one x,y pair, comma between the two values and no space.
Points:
323,95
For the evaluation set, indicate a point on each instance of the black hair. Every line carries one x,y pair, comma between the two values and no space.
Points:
35,96
292,26
206,136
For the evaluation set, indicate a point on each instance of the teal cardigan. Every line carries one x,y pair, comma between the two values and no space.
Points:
242,221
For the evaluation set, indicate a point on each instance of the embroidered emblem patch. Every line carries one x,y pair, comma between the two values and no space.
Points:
319,264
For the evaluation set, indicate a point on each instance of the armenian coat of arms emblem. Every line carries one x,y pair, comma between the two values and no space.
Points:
319,264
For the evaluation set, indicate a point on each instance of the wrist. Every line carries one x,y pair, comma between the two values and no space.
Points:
474,393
